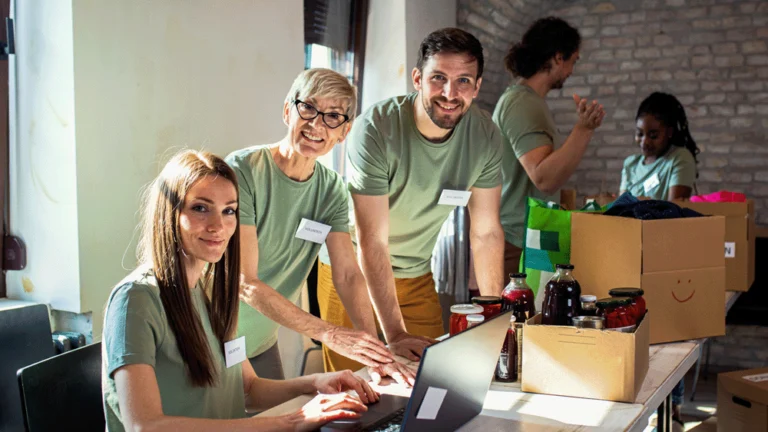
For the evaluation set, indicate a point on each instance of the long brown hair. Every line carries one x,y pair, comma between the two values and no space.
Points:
160,246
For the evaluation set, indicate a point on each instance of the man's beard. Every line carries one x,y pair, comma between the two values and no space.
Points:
444,122
559,84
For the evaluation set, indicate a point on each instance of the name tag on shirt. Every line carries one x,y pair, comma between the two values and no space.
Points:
454,197
234,351
310,230
651,183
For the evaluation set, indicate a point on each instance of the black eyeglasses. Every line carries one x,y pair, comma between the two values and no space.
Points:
308,112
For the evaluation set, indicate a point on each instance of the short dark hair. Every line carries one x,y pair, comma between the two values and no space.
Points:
543,40
451,40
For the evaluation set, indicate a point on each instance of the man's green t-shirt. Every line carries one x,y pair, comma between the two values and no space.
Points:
275,204
676,168
388,156
526,124
136,331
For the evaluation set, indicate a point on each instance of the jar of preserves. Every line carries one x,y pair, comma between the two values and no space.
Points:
588,305
491,305
474,319
562,298
636,295
616,311
518,297
459,312
506,369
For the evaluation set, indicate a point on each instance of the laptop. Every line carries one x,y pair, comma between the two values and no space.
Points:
452,382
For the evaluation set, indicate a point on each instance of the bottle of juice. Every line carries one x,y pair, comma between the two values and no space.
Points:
561,298
518,297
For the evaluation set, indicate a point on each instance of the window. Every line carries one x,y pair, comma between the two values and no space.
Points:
5,11
334,38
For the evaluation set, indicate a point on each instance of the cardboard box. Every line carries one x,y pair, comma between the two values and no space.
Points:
742,401
679,263
596,364
740,232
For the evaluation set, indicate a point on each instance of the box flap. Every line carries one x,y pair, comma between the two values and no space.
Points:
606,252
717,209
685,304
686,243
751,236
753,389
642,355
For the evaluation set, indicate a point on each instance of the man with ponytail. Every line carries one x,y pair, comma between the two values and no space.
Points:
666,167
543,60
167,323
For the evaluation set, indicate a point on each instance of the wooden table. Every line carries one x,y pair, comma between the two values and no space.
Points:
507,408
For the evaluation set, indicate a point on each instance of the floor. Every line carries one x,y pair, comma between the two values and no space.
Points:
700,415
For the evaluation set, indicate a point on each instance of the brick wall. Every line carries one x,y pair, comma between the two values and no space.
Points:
742,347
711,54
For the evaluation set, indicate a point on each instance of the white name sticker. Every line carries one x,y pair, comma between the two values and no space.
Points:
757,378
310,230
454,197
431,403
730,250
651,183
234,351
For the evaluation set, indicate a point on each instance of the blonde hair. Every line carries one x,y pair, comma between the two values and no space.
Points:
320,83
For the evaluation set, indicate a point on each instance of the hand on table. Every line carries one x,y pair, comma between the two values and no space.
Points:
358,346
409,346
336,382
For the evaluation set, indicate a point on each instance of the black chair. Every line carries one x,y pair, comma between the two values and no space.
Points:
25,338
63,392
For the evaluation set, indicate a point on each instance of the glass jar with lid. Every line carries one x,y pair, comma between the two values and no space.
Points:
491,305
616,311
474,319
636,295
459,312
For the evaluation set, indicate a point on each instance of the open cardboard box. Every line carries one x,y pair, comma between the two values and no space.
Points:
596,364
742,401
740,232
679,263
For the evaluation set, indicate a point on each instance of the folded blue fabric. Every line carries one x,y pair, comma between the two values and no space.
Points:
650,210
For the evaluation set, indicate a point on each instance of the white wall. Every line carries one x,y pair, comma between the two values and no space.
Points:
43,192
422,17
127,83
384,73
395,31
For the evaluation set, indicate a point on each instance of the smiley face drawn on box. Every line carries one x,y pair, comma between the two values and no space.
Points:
683,287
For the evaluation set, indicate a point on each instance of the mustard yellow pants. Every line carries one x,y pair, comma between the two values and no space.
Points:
418,301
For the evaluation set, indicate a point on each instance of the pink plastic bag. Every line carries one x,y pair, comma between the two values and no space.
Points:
722,196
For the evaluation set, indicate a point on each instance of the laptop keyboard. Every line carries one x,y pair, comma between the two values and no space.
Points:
391,423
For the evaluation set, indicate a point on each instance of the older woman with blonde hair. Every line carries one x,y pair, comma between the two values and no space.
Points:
168,326
290,205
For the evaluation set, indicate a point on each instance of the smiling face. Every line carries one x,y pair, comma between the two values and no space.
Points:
208,219
314,138
447,84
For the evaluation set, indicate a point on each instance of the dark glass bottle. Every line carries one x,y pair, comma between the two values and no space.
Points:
506,369
561,298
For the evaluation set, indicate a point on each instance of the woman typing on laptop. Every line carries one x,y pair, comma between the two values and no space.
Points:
170,356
